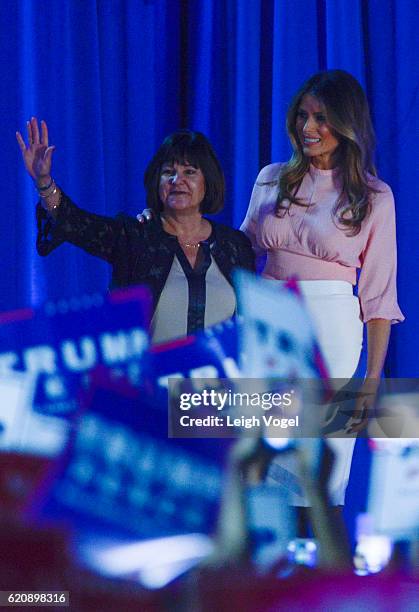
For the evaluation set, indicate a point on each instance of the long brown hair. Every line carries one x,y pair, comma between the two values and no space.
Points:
348,116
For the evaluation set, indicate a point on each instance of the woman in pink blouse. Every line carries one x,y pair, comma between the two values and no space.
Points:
320,217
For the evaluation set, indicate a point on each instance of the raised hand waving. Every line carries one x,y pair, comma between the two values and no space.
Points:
37,154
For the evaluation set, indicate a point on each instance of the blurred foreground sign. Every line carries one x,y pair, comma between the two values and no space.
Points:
16,394
277,337
121,475
53,348
213,353
393,500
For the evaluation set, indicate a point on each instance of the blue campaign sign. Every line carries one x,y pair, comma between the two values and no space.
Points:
51,349
63,340
213,353
120,474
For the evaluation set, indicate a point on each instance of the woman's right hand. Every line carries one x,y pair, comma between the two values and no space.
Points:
37,154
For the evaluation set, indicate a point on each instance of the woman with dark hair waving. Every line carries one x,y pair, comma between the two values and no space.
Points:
185,259
322,216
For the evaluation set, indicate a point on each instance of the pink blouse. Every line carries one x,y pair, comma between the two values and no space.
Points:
308,243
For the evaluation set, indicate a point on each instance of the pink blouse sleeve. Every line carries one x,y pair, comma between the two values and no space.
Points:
250,221
267,176
377,289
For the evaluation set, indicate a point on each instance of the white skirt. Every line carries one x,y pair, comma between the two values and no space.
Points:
336,317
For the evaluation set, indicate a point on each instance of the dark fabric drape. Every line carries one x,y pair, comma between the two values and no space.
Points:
112,77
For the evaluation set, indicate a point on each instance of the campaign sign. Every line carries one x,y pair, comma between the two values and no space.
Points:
272,524
277,343
277,338
59,343
212,353
393,499
120,475
73,336
16,393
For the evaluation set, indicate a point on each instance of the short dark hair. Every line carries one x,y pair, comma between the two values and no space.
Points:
195,149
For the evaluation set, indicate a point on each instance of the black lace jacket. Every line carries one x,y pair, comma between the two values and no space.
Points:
138,253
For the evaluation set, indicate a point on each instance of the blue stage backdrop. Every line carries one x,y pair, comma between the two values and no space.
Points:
112,77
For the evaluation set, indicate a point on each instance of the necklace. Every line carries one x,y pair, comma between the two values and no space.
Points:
187,245
190,245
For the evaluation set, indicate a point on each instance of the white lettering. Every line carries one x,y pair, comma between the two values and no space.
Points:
222,399
79,362
40,359
137,342
204,372
7,361
231,368
114,347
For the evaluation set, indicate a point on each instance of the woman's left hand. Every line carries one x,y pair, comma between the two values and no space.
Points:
378,332
145,216
367,394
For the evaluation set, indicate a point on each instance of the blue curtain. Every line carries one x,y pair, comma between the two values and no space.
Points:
105,76
112,77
